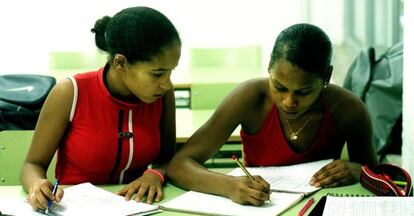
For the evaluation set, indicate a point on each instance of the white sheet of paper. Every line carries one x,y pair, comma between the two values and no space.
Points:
369,206
206,203
87,199
293,178
17,206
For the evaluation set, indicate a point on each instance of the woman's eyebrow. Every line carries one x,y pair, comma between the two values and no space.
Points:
304,88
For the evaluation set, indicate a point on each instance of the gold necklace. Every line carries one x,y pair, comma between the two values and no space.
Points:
294,135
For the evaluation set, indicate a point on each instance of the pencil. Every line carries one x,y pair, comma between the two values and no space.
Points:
234,157
242,167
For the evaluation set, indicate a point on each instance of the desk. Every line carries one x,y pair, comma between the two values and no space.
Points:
171,191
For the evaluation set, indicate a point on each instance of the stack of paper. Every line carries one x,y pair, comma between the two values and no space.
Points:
366,206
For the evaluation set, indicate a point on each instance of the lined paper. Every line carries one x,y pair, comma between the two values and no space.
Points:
292,178
369,206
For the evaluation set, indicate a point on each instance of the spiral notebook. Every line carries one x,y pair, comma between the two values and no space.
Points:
289,183
288,179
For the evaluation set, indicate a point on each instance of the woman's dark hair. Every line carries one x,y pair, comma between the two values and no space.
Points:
138,33
304,45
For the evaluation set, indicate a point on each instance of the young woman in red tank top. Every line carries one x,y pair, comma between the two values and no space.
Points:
108,125
293,116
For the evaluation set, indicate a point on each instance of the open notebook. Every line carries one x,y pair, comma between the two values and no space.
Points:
289,179
289,183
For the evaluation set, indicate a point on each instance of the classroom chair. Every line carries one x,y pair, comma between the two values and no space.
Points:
14,145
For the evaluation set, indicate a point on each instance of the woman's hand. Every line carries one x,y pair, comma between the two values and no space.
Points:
41,192
251,192
337,173
148,184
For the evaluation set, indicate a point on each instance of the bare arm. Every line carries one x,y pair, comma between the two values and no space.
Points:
355,124
168,133
51,126
186,169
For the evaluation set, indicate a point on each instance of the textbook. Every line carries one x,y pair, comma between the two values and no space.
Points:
288,183
87,199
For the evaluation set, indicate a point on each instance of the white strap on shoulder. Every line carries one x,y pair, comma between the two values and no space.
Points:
75,98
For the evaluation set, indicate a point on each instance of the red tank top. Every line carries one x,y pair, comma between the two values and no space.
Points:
97,147
269,146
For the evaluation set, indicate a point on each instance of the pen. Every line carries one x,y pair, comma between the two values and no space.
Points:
306,207
49,202
242,167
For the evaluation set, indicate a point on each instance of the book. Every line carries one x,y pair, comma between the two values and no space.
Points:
367,206
288,183
87,199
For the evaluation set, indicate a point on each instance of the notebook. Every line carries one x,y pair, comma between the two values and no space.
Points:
288,179
87,199
289,183
208,204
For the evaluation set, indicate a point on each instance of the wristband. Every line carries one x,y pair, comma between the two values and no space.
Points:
156,172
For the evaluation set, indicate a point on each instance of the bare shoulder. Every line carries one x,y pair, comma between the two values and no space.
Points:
63,90
253,89
60,97
346,107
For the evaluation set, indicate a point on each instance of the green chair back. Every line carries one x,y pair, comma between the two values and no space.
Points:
209,95
13,148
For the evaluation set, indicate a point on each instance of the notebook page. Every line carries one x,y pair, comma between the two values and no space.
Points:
369,206
87,199
17,206
196,202
292,178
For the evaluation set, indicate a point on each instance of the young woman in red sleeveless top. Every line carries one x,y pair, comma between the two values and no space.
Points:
293,116
108,125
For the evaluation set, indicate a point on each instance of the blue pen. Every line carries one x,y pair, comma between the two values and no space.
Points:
49,202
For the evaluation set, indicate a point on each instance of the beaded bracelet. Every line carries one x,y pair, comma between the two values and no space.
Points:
156,172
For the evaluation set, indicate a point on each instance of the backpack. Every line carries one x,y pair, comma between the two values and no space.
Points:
379,85
21,98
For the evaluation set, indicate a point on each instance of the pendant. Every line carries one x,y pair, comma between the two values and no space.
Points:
293,136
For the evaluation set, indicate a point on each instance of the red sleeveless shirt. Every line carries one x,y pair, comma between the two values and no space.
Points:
269,147
98,146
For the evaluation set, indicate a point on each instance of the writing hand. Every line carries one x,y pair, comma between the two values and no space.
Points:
249,192
337,173
41,192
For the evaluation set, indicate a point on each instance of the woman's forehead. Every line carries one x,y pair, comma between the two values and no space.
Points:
290,75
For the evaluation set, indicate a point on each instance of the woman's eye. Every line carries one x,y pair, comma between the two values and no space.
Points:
280,89
303,93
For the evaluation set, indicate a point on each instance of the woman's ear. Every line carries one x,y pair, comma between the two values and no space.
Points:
120,62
